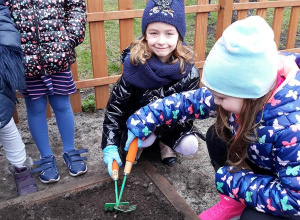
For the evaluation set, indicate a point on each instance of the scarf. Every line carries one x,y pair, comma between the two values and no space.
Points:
154,73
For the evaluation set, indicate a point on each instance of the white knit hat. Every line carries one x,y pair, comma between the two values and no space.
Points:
243,62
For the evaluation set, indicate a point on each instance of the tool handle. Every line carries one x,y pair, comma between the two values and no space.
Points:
130,158
115,170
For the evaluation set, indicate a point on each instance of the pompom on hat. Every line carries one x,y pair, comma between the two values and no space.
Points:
167,11
243,63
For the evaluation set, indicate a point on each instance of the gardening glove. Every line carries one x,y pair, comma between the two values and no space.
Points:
110,154
130,138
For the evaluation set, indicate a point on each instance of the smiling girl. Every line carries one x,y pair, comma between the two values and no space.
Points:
157,65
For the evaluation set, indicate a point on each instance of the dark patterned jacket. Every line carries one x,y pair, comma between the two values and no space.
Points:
50,30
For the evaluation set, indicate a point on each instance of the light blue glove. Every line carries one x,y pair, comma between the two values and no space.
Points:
110,154
130,138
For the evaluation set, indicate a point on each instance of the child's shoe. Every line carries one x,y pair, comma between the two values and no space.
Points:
226,209
167,154
75,163
25,182
48,169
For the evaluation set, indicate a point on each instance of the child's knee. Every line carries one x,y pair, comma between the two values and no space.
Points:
187,145
149,141
60,103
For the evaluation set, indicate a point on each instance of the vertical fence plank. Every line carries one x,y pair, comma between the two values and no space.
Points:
200,34
75,98
98,50
293,26
224,16
277,24
15,116
242,13
48,109
262,12
125,25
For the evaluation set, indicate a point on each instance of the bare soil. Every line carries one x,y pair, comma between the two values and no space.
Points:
89,204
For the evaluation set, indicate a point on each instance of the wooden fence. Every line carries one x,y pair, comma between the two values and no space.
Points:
96,17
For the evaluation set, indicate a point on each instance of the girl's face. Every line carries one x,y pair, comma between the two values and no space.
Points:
162,39
229,103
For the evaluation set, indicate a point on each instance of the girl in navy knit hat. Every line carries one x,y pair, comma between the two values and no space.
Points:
254,145
157,65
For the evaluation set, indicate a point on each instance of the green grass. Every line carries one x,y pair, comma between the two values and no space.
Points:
113,38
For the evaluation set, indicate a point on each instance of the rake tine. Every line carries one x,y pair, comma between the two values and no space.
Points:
125,208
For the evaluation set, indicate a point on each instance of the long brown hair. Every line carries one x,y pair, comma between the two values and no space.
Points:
140,53
237,145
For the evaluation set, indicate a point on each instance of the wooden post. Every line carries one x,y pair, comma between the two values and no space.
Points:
75,98
15,116
200,34
224,16
98,50
277,24
48,109
242,14
293,25
125,26
262,12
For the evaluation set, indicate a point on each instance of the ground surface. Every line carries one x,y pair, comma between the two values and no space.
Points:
193,176
88,204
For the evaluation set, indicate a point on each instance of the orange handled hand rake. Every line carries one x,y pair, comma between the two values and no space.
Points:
115,177
130,158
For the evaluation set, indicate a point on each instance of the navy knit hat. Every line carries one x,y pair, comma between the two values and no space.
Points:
167,11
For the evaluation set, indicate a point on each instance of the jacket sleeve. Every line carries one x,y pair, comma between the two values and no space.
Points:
179,107
194,80
9,36
11,55
279,194
116,113
75,20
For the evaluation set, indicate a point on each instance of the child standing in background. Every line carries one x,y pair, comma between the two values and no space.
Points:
157,65
11,79
254,145
50,31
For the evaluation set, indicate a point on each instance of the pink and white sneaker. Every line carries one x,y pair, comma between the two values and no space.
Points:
226,209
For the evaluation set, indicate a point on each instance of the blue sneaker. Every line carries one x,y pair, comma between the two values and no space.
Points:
75,163
48,169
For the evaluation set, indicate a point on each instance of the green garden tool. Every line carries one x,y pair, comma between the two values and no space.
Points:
115,177
130,158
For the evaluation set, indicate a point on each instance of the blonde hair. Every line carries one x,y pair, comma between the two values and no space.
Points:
247,130
140,53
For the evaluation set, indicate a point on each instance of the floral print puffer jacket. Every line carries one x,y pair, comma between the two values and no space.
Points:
50,30
277,149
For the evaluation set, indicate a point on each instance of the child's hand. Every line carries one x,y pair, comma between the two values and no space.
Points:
111,153
130,138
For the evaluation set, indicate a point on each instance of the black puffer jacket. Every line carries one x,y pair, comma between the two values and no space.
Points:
125,99
50,30
11,68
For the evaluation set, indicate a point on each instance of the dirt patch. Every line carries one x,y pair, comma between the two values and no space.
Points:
89,204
